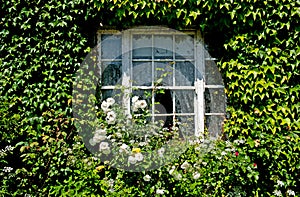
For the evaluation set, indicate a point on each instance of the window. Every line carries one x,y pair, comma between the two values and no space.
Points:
160,58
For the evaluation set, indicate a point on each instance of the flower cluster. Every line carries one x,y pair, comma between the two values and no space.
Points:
7,169
6,149
129,139
280,184
110,115
99,136
138,104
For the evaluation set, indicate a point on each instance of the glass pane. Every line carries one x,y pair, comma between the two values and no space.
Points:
112,72
184,101
184,73
214,125
187,126
163,102
142,46
163,73
163,47
184,47
215,100
111,46
212,73
142,73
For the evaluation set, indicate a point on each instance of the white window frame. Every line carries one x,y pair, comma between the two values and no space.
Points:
199,63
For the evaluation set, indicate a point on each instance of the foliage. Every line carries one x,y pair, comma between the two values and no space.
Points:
43,44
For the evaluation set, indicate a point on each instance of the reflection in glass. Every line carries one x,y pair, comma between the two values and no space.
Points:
184,47
163,45
163,73
142,47
184,101
141,73
112,72
111,46
185,73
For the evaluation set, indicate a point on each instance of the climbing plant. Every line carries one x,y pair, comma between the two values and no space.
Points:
257,47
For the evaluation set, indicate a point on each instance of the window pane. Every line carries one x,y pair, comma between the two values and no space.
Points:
111,73
142,73
111,46
142,46
187,126
163,102
214,125
184,73
215,100
163,73
184,101
212,74
163,47
184,47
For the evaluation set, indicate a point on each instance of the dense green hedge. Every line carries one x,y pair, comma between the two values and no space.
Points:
258,50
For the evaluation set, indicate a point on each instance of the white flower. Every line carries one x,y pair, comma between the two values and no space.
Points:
134,99
196,175
105,106
92,142
135,107
139,156
160,191
140,104
111,182
239,142
131,141
7,169
161,152
98,137
101,132
185,165
111,114
223,153
177,176
110,101
172,170
118,134
9,148
131,159
124,148
143,143
290,192
147,178
242,141
280,183
104,147
111,117
277,193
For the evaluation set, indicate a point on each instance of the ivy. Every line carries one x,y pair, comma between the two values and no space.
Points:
258,51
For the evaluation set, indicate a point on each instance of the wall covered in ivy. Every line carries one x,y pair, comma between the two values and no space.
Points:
43,43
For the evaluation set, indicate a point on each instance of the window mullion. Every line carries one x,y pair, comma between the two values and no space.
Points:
153,78
173,78
199,102
126,69
199,84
